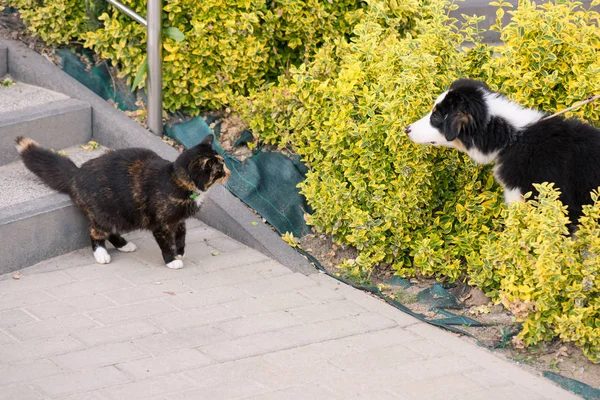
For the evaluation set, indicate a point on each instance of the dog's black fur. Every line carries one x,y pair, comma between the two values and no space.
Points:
559,150
132,189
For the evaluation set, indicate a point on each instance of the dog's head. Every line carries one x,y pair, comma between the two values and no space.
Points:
456,118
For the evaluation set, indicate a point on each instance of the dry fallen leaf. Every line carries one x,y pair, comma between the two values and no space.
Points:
518,343
16,275
171,293
215,253
562,352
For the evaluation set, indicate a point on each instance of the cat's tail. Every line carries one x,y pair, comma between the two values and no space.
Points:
53,169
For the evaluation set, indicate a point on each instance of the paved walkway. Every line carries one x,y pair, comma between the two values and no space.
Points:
231,324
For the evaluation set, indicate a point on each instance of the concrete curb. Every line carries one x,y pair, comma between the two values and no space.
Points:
112,128
51,223
3,60
58,124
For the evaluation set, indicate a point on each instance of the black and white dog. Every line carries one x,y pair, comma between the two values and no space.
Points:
525,148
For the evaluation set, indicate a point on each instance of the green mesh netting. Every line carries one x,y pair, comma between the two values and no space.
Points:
97,77
266,181
580,388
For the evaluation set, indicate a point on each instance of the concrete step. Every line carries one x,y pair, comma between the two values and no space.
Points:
37,223
51,118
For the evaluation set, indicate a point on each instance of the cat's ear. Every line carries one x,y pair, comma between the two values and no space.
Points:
208,140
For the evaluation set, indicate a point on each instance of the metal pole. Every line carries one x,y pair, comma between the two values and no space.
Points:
129,12
154,51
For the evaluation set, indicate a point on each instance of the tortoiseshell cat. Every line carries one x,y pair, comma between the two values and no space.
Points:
130,189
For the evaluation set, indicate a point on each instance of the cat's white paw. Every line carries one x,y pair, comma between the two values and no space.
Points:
128,248
101,255
180,256
175,264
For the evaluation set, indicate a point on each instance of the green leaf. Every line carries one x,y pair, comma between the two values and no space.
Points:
174,33
140,74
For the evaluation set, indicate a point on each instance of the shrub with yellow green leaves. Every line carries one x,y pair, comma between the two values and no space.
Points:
229,47
414,207
550,56
56,21
431,211
550,282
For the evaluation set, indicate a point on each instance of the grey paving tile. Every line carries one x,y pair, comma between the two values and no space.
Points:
78,382
99,356
165,364
52,327
119,332
147,389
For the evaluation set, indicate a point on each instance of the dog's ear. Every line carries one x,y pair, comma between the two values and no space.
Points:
460,122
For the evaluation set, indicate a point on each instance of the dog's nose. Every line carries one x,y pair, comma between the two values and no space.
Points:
407,129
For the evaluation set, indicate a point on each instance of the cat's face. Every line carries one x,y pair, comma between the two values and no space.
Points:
205,166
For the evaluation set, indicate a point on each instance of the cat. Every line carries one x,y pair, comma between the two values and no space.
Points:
131,189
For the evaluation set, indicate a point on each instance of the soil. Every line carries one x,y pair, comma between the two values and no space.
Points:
499,325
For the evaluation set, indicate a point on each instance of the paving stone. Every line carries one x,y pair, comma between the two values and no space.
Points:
309,354
188,338
89,287
66,325
375,321
504,393
427,348
120,332
147,292
28,283
6,339
436,367
365,300
487,379
269,269
27,371
146,389
98,356
225,277
98,271
247,346
278,284
258,323
179,320
321,331
380,358
164,364
225,244
21,300
299,393
37,348
327,311
228,259
321,294
270,303
20,392
71,305
441,388
207,297
122,313
78,382
14,317
82,396
223,391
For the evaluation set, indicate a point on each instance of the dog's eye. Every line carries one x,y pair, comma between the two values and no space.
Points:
436,117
